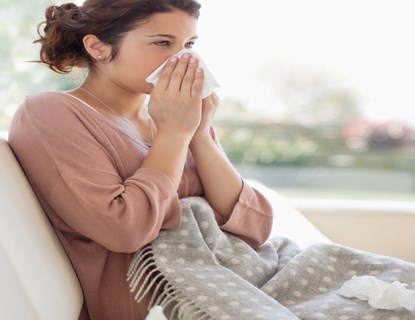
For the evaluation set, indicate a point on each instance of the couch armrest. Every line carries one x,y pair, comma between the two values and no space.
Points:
38,281
288,222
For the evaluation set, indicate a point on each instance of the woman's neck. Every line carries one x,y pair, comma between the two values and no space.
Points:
127,104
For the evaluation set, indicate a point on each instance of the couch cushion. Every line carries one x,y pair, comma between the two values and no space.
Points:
38,281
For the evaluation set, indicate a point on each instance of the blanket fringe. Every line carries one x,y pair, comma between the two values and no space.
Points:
157,300
143,270
139,256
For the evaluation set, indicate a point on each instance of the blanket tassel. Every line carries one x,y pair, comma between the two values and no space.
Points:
144,277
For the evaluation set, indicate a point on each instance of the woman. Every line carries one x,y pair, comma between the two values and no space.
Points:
108,169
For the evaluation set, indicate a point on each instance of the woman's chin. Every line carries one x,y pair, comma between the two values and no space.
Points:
145,89
148,88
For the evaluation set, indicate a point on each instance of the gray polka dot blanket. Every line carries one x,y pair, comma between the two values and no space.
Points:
200,272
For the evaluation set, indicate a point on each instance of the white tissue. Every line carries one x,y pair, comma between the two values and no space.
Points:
209,83
379,294
156,313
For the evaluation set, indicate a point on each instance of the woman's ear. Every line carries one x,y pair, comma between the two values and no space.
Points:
98,50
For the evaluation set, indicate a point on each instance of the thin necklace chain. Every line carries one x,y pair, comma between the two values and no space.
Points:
118,114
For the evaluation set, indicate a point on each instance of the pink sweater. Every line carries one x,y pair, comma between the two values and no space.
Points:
85,170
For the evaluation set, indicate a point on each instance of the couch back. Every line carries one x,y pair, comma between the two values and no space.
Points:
37,280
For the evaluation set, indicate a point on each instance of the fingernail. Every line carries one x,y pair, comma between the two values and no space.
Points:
185,56
173,59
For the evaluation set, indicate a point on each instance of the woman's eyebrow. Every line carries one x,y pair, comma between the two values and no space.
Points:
168,36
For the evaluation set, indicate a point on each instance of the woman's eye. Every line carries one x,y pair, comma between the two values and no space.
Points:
162,43
189,45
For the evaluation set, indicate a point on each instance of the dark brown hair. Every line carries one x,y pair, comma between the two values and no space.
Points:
66,25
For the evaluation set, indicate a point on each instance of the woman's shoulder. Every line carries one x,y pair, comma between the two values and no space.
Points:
49,104
44,115
53,108
45,98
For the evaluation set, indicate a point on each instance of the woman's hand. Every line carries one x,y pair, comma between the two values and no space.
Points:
176,108
209,107
175,102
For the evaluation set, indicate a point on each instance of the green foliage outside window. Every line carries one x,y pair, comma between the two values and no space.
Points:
277,144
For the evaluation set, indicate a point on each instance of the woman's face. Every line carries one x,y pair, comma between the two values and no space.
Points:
146,47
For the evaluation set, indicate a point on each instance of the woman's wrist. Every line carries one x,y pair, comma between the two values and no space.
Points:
174,136
200,138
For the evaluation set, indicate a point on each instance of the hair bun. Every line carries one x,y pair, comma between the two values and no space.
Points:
61,39
66,10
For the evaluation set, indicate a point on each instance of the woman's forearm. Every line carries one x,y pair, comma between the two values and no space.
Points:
221,183
168,155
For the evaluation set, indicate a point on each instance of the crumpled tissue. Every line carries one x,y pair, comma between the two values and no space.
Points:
156,313
379,294
209,83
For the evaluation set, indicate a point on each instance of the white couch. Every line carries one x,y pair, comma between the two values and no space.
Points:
36,277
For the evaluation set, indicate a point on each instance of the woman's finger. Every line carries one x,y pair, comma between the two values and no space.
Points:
198,83
178,73
165,75
189,77
214,98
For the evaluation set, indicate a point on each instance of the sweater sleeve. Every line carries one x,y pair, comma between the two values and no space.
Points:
75,175
252,216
